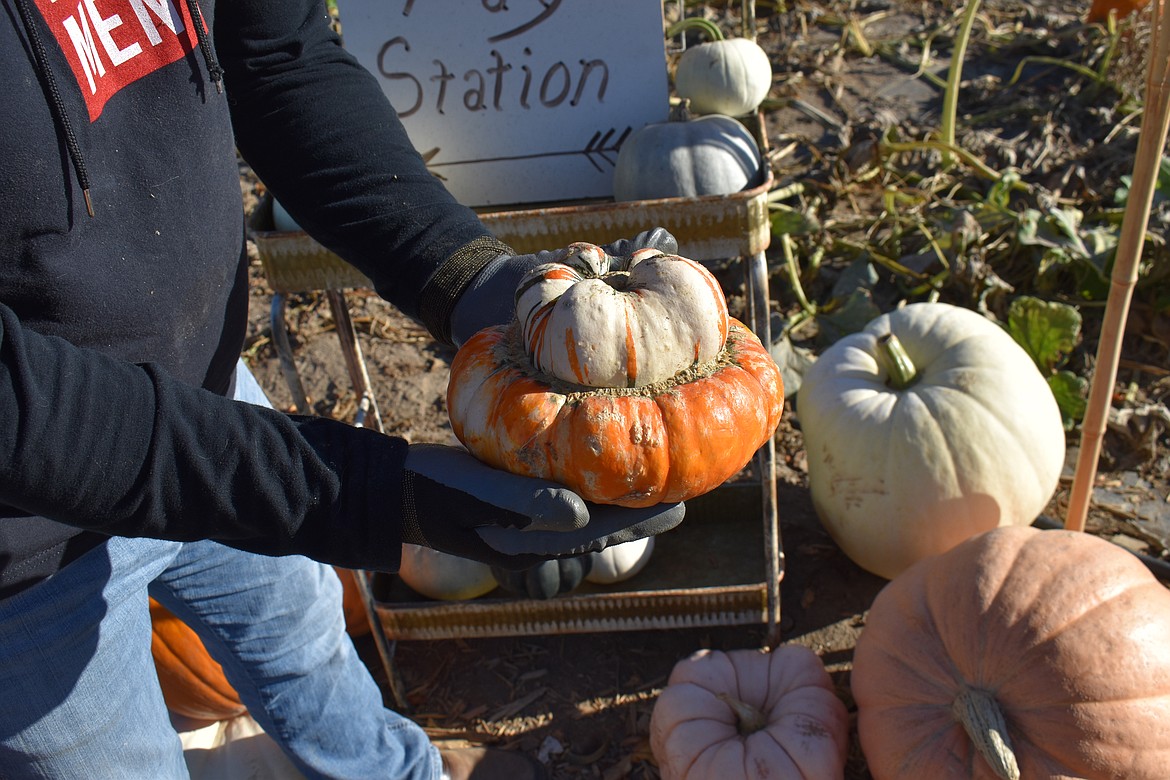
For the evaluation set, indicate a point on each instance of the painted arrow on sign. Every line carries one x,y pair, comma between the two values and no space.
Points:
601,146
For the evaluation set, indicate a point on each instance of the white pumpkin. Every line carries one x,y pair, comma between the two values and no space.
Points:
601,321
282,221
896,473
730,76
439,575
620,562
687,158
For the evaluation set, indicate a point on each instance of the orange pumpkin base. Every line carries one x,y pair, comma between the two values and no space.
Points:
635,447
193,683
357,621
1099,9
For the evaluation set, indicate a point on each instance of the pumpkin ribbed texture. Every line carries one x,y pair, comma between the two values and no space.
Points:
731,76
687,158
668,443
441,576
1057,642
750,715
907,457
599,321
620,562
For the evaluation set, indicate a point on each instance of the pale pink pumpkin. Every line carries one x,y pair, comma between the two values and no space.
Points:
750,715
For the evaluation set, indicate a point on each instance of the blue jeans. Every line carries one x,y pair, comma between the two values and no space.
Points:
79,697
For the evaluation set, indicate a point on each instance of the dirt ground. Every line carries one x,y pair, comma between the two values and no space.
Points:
582,701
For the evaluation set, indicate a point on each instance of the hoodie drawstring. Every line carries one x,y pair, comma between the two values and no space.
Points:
57,105
213,67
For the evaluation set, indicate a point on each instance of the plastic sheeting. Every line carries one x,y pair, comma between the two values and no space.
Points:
235,749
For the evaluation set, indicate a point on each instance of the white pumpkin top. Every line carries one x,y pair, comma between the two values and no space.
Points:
600,321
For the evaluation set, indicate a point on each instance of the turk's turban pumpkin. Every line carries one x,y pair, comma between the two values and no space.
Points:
623,378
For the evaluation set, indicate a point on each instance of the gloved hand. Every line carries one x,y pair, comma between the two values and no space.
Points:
490,299
456,504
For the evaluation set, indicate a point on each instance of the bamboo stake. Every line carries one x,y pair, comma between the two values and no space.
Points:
1151,142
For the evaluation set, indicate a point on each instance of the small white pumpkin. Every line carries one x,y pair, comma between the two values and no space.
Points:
687,158
902,470
729,76
620,562
439,575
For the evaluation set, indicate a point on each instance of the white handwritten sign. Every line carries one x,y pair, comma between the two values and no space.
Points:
525,101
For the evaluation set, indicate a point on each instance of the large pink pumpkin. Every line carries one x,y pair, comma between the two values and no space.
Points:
1019,653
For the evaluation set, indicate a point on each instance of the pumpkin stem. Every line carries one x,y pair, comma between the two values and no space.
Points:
979,714
710,30
892,357
749,719
680,111
618,280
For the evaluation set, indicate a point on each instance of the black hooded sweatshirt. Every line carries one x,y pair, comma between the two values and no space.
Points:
123,284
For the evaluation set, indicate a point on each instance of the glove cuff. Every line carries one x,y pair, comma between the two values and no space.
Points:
438,297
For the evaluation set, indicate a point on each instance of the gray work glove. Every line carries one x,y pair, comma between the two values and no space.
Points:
456,504
490,299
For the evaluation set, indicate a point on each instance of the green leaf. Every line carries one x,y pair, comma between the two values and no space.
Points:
1101,243
854,313
793,361
1028,229
1068,222
1071,392
1056,229
1000,193
1161,186
788,221
1047,330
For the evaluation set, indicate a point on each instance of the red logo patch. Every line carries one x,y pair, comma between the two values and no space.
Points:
112,43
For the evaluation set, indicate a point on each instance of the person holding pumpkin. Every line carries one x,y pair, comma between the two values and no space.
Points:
131,461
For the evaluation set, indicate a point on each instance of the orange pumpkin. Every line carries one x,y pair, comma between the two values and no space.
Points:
1099,9
622,378
357,622
193,684
1018,653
